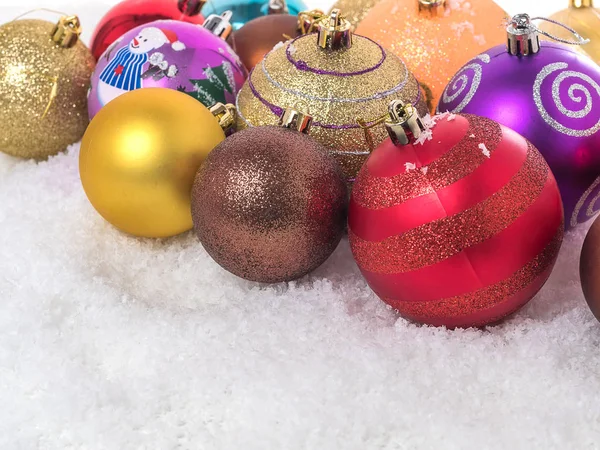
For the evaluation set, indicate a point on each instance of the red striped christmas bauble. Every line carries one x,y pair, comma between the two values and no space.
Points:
460,230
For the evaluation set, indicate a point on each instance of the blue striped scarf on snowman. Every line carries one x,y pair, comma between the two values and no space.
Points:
129,76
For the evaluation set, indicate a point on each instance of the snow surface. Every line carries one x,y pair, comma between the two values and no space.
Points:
111,342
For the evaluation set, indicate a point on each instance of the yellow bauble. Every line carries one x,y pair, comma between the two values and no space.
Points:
139,157
338,87
583,18
44,80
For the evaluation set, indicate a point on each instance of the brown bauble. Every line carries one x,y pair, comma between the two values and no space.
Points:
269,204
258,36
589,268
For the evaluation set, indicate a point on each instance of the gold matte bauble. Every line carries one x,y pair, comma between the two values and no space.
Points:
341,88
139,157
43,88
583,18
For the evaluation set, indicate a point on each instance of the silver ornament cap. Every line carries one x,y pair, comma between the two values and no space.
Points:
523,36
404,125
219,25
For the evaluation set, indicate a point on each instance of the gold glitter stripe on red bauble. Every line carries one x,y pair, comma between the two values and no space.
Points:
493,302
459,161
481,265
441,239
389,160
479,185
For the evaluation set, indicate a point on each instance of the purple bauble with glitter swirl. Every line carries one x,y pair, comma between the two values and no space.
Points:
168,54
553,99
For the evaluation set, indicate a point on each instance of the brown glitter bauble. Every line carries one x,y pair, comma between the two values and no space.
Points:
43,90
589,268
339,87
269,204
258,37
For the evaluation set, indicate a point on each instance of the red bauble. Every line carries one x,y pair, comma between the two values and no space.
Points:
129,14
461,230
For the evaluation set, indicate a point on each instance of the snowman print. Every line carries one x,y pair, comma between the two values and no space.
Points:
124,72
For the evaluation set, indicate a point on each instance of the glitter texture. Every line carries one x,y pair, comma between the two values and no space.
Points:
334,101
452,311
455,244
444,238
355,10
325,65
459,83
575,92
465,30
269,204
454,164
585,198
32,67
552,98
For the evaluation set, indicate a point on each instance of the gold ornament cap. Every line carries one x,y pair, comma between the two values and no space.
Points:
523,36
277,7
432,7
404,124
335,32
66,32
581,3
219,25
190,7
295,120
225,114
308,21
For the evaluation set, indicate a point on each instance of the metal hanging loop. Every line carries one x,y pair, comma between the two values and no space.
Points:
523,35
334,31
219,25
404,124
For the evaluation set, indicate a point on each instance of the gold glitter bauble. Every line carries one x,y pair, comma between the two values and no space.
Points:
43,90
436,37
583,18
355,10
139,157
336,87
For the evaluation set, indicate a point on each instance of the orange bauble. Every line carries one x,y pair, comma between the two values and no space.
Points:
435,37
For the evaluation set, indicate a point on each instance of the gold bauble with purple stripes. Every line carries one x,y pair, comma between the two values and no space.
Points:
346,91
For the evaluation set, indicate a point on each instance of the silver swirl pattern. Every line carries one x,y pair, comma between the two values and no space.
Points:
580,94
590,211
459,83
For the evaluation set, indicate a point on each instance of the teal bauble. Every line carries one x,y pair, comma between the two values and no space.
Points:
245,10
